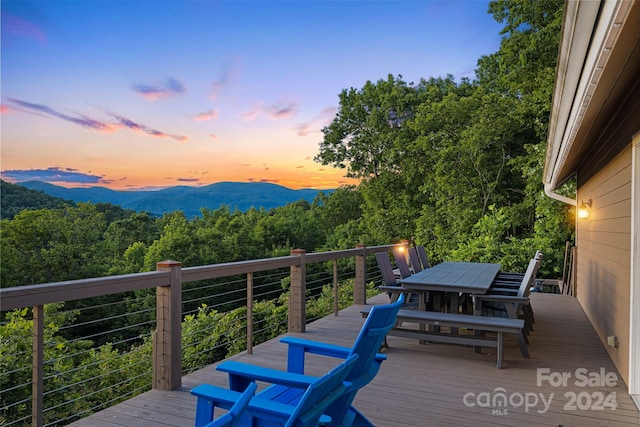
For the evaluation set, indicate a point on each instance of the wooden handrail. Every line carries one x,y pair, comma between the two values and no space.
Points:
47,293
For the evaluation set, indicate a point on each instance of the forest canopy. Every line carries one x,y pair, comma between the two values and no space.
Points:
455,166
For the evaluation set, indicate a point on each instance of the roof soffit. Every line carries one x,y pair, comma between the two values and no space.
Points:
590,31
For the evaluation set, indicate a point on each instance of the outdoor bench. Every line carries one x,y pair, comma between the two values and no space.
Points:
499,325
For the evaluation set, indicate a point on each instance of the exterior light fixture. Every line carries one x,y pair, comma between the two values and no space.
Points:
584,209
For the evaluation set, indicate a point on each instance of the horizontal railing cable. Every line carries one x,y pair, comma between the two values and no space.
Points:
90,334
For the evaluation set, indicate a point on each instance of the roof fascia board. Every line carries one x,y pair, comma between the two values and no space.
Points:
603,32
578,25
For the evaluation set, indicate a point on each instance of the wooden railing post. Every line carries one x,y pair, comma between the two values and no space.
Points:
167,343
37,385
297,300
360,281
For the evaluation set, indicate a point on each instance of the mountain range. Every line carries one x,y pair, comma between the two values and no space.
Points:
236,195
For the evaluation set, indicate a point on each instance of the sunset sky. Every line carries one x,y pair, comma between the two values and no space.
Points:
150,94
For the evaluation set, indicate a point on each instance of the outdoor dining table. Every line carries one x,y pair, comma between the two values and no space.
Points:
454,278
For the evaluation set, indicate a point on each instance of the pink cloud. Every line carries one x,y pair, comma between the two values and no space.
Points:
207,115
273,181
276,111
94,124
227,75
81,120
249,115
155,91
130,124
316,124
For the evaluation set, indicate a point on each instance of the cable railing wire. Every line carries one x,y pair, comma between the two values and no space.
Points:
132,338
106,404
94,377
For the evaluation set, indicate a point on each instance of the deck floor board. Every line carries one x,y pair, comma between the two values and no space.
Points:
426,384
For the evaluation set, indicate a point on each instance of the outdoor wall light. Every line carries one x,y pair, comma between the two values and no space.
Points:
584,209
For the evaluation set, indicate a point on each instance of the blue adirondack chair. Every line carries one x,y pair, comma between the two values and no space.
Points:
380,320
233,417
318,394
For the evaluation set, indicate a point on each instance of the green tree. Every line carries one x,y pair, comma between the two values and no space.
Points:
448,164
126,241
369,122
339,215
50,245
79,376
291,226
16,198
371,137
468,142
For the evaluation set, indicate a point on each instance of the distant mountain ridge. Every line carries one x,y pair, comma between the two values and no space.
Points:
236,195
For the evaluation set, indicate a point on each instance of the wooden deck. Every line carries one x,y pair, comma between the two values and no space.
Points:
438,384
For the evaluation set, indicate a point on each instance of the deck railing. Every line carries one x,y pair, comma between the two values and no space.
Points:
168,282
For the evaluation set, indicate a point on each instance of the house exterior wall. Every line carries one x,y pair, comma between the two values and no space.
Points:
604,254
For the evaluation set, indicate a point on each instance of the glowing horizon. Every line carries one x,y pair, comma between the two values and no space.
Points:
227,92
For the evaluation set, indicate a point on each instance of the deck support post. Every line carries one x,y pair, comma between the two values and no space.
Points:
167,340
360,282
297,300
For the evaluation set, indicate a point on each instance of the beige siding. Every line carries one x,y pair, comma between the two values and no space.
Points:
604,255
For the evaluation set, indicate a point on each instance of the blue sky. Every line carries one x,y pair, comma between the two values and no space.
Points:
150,94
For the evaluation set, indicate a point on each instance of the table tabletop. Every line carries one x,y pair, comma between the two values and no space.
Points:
465,277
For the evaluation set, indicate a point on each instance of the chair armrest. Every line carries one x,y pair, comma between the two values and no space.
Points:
315,347
209,398
240,374
298,347
221,397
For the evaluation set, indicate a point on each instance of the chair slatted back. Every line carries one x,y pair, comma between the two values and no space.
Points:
321,394
380,320
401,263
386,269
528,278
422,253
416,266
